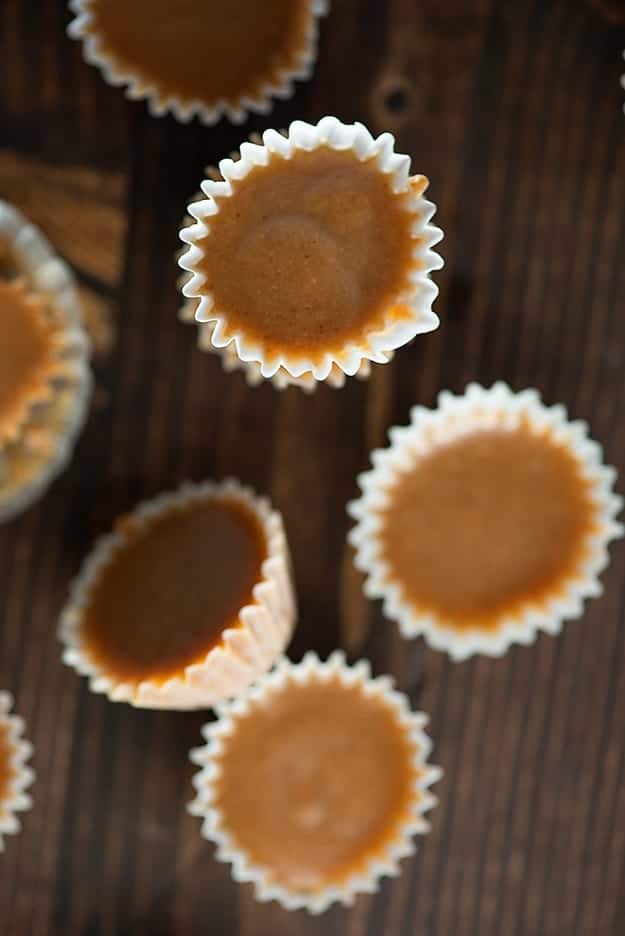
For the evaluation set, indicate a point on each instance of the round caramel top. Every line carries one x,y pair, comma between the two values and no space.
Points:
27,355
315,781
7,772
309,253
486,523
168,593
199,50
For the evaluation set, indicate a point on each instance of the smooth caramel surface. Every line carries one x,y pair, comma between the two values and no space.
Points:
6,770
310,252
315,782
486,523
199,50
171,590
26,353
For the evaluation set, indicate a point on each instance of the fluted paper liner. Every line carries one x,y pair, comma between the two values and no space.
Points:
387,861
230,361
36,261
245,651
349,357
44,443
280,85
281,380
40,388
458,416
18,799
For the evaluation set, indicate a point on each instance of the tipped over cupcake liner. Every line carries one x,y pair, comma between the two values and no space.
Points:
17,800
138,86
384,863
373,347
245,651
37,450
481,409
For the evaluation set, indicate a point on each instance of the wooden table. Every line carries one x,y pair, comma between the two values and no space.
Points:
513,109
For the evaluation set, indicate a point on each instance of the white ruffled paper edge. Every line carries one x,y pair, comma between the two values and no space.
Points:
46,274
456,416
332,133
237,111
245,651
18,800
252,371
243,869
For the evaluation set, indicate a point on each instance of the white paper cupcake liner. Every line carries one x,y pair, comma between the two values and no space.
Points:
139,87
17,800
205,781
28,467
457,416
245,651
42,268
375,347
229,359
252,371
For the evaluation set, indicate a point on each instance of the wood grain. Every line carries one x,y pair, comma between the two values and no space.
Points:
514,112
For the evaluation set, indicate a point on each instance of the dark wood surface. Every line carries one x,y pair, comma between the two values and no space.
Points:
513,109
